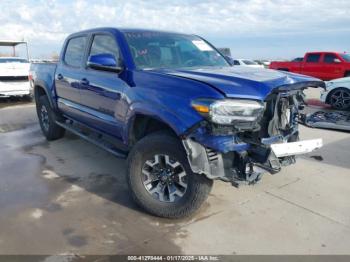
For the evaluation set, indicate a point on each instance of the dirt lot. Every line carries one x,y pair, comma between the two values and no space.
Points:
68,196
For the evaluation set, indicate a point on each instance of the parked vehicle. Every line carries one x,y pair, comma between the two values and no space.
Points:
247,62
337,93
323,65
264,63
175,108
14,73
298,59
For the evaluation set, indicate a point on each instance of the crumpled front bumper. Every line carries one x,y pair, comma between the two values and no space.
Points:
229,159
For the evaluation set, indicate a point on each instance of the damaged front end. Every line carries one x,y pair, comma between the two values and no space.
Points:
241,153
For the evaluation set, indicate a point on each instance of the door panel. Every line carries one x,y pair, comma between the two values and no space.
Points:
332,69
102,91
313,66
68,72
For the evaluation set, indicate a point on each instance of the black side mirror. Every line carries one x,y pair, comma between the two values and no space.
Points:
105,62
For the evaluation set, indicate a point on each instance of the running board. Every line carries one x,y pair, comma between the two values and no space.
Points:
109,147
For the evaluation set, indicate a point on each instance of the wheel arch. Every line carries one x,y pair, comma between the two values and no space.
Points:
40,90
142,124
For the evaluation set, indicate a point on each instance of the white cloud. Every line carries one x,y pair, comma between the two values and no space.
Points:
46,23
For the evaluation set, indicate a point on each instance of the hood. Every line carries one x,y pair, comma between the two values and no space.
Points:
340,80
246,82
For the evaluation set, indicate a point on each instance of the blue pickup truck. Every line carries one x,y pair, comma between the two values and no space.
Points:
176,108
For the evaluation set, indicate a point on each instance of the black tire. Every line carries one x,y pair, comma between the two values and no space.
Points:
28,98
347,74
339,99
47,119
198,186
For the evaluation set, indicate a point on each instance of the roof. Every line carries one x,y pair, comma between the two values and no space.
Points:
122,30
11,43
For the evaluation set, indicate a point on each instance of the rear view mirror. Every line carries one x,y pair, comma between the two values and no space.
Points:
337,60
106,62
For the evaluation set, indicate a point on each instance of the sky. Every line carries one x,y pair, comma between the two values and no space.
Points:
257,29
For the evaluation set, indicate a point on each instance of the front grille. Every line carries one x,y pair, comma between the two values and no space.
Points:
13,78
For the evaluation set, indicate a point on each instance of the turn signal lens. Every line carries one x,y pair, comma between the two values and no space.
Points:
201,108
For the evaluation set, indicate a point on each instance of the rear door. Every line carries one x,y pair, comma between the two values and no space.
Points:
68,75
332,66
102,91
312,65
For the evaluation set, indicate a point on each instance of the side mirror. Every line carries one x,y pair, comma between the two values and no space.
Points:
337,60
105,62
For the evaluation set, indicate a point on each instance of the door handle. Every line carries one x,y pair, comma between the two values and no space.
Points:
59,77
84,82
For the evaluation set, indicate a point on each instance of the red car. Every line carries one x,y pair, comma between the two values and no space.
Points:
323,65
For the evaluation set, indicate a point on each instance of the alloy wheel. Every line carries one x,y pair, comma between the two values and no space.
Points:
44,115
340,99
164,178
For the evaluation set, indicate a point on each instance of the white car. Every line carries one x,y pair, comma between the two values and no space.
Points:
247,62
337,93
14,72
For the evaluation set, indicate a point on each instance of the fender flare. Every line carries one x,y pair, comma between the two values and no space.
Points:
156,112
48,91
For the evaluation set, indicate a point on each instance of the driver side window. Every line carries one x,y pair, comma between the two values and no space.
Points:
104,44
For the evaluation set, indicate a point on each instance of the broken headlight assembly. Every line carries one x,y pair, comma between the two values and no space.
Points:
240,113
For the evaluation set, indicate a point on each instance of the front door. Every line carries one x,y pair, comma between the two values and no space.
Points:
313,66
102,91
332,67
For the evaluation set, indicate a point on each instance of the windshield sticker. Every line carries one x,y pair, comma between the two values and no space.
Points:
201,45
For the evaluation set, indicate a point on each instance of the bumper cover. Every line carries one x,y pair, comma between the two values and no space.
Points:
14,88
296,148
245,166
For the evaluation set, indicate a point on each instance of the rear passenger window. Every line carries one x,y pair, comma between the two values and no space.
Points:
104,44
329,58
75,51
313,58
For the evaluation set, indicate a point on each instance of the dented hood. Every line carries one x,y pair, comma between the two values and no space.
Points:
244,82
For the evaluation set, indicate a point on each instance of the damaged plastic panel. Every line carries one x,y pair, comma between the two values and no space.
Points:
330,120
242,156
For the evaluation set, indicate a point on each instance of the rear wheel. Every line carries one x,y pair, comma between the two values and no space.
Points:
47,119
340,99
347,74
161,180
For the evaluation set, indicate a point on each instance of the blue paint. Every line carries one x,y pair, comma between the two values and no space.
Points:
109,102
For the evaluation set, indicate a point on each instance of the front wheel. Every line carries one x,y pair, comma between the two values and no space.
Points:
340,99
161,180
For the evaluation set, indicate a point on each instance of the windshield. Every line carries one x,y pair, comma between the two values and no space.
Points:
13,60
346,57
167,50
